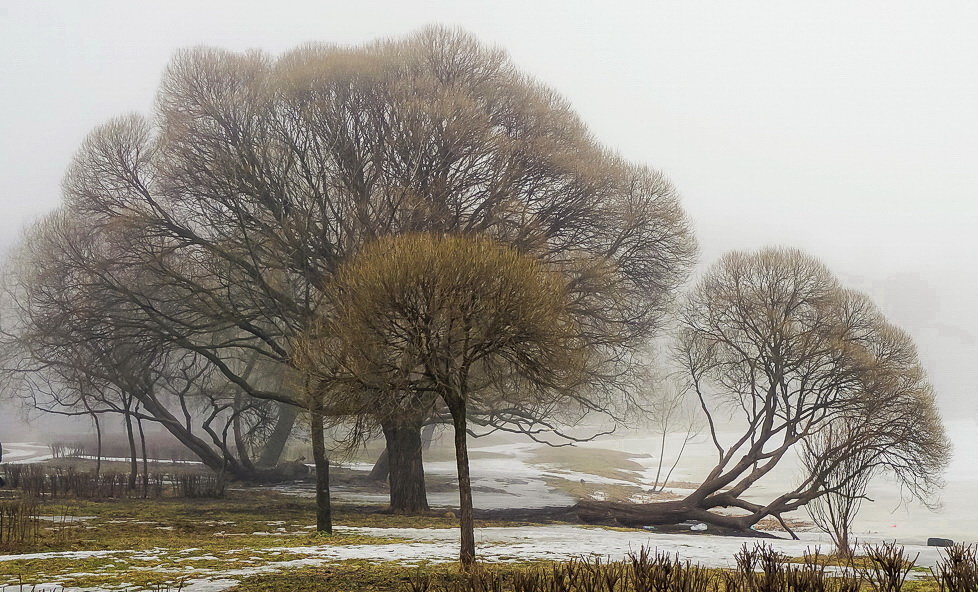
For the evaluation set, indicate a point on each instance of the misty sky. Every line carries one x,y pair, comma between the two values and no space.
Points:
848,129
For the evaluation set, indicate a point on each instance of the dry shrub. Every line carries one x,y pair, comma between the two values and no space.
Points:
957,570
888,568
760,568
19,523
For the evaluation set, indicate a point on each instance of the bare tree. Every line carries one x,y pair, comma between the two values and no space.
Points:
460,318
260,177
771,341
845,485
670,413
74,348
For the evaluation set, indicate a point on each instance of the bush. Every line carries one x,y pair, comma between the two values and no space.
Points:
760,568
958,569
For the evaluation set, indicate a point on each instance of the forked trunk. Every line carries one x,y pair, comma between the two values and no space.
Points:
240,441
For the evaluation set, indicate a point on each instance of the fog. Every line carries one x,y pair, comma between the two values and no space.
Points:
846,129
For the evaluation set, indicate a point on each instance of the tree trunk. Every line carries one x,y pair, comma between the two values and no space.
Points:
406,469
133,463
842,546
142,443
465,518
382,467
271,453
658,514
98,444
324,516
218,461
662,456
240,445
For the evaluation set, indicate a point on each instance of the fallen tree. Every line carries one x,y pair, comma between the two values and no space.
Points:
771,341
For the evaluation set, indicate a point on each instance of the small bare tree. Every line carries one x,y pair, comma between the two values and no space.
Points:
670,413
845,486
461,318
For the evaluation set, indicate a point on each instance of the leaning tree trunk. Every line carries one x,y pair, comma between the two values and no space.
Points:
406,468
324,515
657,514
219,461
271,453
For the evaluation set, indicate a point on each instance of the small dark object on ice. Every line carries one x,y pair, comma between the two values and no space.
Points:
937,542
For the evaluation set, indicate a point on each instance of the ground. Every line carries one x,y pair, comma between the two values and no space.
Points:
142,543
258,539
261,539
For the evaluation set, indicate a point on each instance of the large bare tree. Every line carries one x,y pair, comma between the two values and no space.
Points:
259,177
774,346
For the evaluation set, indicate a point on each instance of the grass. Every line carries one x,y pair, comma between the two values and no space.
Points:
145,544
365,576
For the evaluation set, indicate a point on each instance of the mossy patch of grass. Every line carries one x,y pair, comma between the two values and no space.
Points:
359,575
248,518
615,492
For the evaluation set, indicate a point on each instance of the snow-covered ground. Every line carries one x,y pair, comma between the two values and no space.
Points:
509,478
23,452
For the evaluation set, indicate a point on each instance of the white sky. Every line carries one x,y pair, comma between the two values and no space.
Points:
849,129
